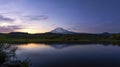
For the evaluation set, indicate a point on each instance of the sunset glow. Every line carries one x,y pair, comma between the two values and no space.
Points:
40,16
32,46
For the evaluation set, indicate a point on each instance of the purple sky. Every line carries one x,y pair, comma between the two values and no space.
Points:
39,16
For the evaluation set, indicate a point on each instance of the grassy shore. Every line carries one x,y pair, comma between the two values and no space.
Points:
59,41
60,38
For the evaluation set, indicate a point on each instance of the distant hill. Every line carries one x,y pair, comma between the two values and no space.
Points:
18,33
60,30
106,33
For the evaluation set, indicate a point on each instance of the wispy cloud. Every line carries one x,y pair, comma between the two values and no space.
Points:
5,19
6,29
36,17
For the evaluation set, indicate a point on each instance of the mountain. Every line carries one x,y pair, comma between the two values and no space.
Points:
106,34
59,46
60,30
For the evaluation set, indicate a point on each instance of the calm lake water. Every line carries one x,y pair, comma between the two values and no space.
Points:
70,55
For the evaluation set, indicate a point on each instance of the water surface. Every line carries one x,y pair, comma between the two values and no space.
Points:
70,55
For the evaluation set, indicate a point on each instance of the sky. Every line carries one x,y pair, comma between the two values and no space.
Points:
39,16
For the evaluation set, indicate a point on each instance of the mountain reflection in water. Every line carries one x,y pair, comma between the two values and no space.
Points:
70,55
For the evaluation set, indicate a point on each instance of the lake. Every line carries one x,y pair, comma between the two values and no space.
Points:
69,55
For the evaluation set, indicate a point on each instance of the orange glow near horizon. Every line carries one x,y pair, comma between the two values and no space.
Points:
32,46
32,31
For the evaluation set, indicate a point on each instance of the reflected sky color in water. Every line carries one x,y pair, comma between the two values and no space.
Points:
32,46
70,55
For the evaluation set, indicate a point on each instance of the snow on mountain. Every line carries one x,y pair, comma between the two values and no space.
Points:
60,30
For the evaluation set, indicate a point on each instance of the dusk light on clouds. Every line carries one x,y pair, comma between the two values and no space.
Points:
39,16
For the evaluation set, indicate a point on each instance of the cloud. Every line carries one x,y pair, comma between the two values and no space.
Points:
6,29
36,17
6,19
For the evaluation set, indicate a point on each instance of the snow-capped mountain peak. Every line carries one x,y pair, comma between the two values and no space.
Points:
60,30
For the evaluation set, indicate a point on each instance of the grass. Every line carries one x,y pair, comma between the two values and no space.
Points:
59,41
60,38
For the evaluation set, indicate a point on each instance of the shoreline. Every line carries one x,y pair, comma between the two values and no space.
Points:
61,41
